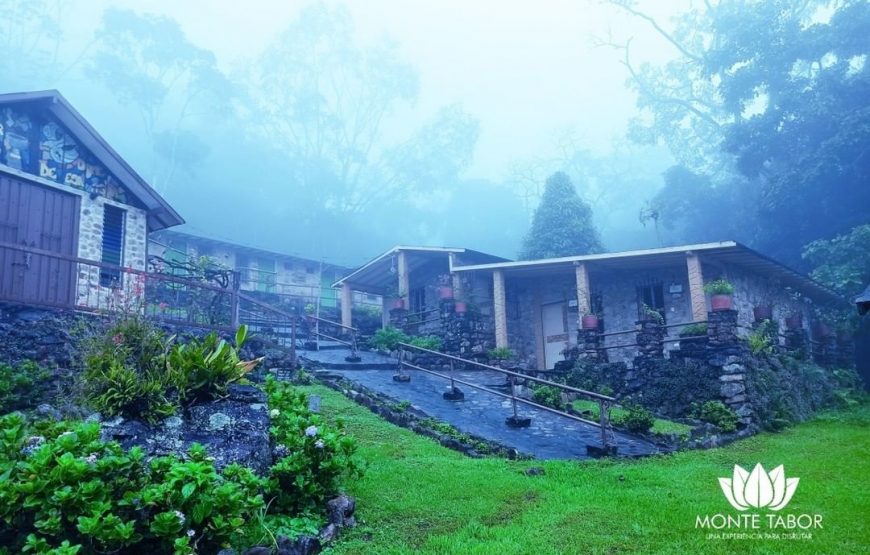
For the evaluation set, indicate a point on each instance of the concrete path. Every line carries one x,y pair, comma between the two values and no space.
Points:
551,436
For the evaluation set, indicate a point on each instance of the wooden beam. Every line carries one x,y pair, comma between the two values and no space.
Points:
696,287
499,309
346,305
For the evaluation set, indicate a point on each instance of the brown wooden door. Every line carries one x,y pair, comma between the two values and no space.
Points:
42,218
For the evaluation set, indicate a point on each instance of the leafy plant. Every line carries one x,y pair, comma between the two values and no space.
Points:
694,330
716,413
762,340
388,338
652,314
19,385
68,491
549,396
719,287
501,353
635,419
431,342
204,369
315,455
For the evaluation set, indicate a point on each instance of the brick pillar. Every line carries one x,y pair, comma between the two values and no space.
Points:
346,305
584,300
696,287
650,339
499,309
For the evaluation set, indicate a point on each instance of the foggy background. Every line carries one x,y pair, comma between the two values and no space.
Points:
335,130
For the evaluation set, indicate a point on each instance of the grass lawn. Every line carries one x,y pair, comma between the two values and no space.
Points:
660,426
417,497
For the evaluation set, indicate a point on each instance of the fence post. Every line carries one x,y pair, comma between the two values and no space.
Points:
234,296
293,338
603,422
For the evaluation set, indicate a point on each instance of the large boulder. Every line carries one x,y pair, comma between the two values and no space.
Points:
232,430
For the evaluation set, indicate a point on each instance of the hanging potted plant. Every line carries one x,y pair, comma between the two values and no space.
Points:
589,321
445,287
721,294
794,321
763,312
460,307
395,301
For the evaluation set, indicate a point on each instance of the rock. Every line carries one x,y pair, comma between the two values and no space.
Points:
329,533
731,377
227,551
733,368
534,471
340,510
730,389
258,550
49,412
303,545
246,394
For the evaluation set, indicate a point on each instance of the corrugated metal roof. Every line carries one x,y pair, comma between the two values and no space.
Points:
160,214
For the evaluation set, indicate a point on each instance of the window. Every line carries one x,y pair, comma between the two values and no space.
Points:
418,299
651,295
113,245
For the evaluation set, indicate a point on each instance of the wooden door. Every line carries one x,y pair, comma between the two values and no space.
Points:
40,218
555,333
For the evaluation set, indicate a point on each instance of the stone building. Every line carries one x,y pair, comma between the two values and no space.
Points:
536,307
73,213
272,276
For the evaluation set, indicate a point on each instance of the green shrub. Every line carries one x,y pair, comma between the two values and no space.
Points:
763,338
316,455
431,342
548,396
635,419
19,385
67,489
203,369
716,413
694,330
719,287
501,353
388,339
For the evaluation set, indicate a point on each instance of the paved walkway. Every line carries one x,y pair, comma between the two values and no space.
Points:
551,436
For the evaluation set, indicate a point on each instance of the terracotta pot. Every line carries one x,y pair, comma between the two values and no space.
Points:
460,307
397,304
762,313
794,322
445,292
589,322
720,302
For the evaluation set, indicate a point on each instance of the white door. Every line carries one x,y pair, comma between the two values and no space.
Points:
555,334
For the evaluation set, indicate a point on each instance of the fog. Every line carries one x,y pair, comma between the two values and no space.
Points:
336,130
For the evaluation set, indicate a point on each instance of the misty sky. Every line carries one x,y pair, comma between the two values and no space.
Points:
527,70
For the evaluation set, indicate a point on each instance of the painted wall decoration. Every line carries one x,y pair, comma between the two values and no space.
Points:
34,143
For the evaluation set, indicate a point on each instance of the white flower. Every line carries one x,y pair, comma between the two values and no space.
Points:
180,516
311,431
92,458
274,413
190,533
319,444
759,489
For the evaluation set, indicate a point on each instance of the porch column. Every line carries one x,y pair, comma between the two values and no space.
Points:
454,276
499,311
696,287
346,305
404,279
584,301
385,311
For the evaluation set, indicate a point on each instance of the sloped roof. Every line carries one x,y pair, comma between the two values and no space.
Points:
160,214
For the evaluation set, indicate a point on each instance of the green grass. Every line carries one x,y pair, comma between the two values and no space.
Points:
417,497
660,426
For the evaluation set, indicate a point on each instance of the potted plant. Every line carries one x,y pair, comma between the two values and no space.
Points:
763,312
501,355
721,292
794,321
589,321
445,287
395,300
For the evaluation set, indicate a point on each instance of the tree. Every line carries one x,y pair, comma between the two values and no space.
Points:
562,225
842,263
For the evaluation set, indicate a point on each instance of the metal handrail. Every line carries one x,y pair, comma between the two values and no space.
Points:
605,402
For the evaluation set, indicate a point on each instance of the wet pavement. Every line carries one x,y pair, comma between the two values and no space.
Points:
550,436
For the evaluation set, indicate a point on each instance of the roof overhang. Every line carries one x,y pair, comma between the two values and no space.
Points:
380,273
724,252
160,214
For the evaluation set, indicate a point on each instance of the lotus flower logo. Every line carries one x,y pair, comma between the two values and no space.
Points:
758,489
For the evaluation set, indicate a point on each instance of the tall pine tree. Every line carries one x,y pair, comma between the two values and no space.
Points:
562,225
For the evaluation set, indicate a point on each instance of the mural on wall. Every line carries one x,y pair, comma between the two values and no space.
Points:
35,144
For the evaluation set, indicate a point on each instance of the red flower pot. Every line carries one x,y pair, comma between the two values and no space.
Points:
762,313
794,322
720,302
445,292
589,322
460,307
